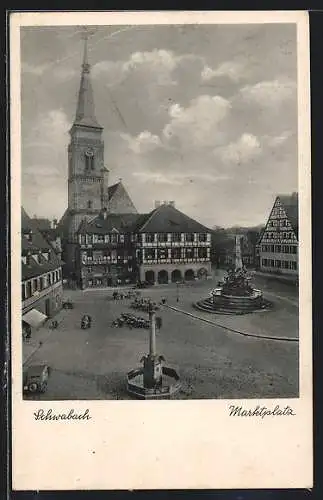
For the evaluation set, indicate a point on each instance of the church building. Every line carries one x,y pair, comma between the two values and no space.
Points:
88,178
105,241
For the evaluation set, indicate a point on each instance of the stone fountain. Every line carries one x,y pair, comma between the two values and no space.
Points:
153,380
235,295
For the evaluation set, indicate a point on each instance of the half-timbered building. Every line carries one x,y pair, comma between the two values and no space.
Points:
278,245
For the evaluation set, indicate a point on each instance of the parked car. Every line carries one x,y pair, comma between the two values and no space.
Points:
35,378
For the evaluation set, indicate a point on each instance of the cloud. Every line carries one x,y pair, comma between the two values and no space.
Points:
233,70
278,140
143,142
197,125
160,63
243,150
269,93
61,73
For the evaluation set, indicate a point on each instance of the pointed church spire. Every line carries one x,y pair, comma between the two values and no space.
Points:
85,113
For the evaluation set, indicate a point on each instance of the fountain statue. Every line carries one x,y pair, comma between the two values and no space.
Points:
153,380
235,295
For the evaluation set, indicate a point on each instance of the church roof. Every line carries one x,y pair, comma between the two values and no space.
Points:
290,204
85,112
167,219
112,189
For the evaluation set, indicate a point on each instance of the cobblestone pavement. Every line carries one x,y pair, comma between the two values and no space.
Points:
212,362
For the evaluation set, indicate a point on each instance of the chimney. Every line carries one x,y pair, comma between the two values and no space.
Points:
172,203
54,224
157,204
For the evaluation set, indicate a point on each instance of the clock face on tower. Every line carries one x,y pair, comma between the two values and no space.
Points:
89,153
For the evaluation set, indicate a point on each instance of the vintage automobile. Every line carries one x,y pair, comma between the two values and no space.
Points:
35,378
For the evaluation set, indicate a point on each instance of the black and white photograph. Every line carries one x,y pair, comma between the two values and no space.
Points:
160,250
159,218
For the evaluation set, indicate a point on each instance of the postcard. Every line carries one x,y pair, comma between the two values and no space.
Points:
161,322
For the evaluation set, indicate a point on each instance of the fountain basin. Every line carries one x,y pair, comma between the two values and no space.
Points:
169,386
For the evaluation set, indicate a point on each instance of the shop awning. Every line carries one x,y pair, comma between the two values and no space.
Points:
34,318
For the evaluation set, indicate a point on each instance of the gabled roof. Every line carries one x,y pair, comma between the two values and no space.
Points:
167,219
37,245
290,204
118,222
112,189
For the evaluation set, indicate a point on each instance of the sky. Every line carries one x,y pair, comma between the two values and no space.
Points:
205,115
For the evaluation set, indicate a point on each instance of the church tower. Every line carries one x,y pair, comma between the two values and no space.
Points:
87,176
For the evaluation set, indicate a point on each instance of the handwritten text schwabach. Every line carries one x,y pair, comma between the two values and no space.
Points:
260,411
69,415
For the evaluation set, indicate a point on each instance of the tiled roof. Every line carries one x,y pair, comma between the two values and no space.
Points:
37,245
167,219
120,222
112,189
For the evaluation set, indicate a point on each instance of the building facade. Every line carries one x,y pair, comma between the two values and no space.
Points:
41,286
160,247
278,245
170,246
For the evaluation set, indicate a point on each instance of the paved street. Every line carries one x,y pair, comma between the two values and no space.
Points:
213,362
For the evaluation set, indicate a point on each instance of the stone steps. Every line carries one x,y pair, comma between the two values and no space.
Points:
229,305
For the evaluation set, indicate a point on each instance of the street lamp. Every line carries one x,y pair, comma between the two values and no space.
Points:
177,291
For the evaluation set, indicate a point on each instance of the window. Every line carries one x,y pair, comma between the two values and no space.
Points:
121,238
202,253
114,238
176,253
90,283
294,249
162,253
89,269
264,262
162,237
106,238
202,237
149,253
35,285
176,237
23,292
150,237
278,248
189,237
277,263
89,204
28,290
189,252
100,238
